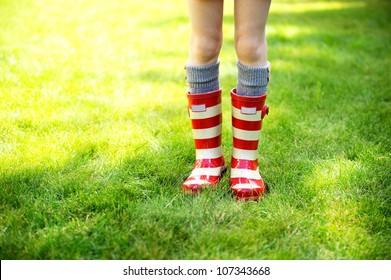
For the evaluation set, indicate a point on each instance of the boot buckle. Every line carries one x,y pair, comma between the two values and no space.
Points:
265,111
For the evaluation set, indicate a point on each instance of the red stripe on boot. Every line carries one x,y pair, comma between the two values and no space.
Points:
213,180
244,164
246,125
246,194
245,144
209,99
208,143
239,105
239,101
247,181
206,123
209,163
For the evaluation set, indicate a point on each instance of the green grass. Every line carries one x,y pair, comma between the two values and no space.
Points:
95,139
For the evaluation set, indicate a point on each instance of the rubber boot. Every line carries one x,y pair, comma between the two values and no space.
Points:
247,115
205,114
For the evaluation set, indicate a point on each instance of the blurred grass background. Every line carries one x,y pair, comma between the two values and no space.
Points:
95,139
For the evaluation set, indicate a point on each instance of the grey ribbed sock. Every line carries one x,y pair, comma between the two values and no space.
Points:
252,81
204,78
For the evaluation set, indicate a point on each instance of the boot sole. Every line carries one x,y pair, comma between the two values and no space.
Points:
249,194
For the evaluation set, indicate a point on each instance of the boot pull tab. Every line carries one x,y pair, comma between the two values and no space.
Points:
198,108
248,110
265,111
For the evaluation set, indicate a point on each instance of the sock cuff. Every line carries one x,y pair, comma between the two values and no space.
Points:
203,78
202,73
253,76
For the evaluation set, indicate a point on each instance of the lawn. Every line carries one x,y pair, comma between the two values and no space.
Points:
95,139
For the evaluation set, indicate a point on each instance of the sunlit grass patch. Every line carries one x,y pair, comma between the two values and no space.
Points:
315,6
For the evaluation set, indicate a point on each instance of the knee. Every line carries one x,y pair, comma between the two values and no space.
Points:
251,51
205,49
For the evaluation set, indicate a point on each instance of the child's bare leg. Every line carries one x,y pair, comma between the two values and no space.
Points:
202,68
251,47
206,17
250,37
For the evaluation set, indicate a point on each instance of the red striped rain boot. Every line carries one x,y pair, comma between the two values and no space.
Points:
247,115
206,117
